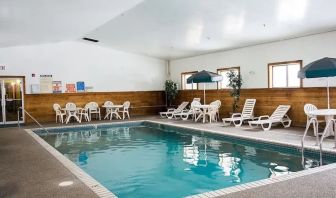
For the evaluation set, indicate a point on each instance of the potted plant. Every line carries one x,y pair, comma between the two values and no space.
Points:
171,91
235,83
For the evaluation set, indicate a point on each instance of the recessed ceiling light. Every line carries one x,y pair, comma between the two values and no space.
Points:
90,39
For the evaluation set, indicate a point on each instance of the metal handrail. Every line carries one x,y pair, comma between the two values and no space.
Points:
24,111
313,121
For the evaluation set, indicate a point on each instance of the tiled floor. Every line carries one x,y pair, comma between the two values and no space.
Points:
27,170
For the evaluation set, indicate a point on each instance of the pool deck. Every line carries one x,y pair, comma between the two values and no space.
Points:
28,170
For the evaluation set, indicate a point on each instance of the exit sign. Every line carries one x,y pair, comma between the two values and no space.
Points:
2,67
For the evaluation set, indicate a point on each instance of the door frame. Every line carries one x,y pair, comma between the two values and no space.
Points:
23,101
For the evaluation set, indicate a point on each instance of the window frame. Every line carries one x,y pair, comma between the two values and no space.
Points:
224,69
270,77
182,83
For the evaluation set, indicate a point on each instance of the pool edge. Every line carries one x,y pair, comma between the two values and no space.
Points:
89,181
210,194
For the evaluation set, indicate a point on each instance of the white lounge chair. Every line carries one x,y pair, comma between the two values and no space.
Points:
170,112
59,113
238,118
278,116
184,115
125,111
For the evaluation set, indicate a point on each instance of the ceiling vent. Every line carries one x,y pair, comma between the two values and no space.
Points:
90,39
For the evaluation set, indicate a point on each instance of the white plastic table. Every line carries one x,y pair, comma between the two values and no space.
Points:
72,112
112,109
328,114
204,109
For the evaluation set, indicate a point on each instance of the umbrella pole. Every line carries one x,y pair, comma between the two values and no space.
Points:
204,93
328,93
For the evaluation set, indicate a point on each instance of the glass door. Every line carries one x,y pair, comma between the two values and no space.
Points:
12,99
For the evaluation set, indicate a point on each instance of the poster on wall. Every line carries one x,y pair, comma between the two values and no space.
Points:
80,86
57,86
70,88
46,83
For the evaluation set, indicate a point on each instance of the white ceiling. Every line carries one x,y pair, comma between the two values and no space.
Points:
166,29
25,22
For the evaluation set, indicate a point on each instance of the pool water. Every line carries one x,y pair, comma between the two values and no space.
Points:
146,161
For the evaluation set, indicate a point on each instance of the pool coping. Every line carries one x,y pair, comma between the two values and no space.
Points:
103,192
89,181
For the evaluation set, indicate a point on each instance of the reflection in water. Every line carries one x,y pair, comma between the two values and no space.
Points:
194,154
230,166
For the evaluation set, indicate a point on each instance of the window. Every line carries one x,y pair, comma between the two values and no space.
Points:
185,85
224,71
284,74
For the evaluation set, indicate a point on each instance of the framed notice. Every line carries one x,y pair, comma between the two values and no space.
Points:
57,86
80,86
70,88
45,83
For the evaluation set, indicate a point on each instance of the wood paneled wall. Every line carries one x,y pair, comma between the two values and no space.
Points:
142,102
267,100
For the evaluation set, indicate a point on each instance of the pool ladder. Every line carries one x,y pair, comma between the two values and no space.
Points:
319,143
26,112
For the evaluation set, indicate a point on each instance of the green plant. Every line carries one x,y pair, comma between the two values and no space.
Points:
235,83
171,91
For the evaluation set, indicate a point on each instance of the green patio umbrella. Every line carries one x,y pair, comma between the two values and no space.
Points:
322,68
204,77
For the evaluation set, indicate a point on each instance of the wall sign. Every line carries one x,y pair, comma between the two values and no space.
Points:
57,86
46,84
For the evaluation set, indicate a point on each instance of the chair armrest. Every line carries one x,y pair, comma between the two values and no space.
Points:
236,115
264,117
170,110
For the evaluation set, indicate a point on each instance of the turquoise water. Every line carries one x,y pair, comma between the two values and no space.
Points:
142,161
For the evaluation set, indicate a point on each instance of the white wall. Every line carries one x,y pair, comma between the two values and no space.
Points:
253,60
103,68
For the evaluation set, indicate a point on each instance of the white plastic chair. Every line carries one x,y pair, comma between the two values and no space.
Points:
59,113
212,112
125,110
217,104
108,111
85,112
71,111
312,119
170,113
247,114
278,116
94,109
197,99
187,112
